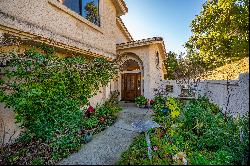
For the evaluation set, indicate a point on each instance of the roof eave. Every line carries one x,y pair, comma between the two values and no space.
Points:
144,42
121,7
124,29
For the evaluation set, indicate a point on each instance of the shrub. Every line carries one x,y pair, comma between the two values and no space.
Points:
46,93
141,100
225,137
112,104
200,132
159,103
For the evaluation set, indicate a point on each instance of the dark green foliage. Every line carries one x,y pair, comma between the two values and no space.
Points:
137,153
220,32
159,103
104,115
110,107
46,93
202,132
47,100
220,36
141,100
171,64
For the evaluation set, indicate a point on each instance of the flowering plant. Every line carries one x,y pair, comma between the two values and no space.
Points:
89,111
152,102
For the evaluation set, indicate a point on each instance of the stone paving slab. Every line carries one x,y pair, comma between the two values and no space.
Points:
106,147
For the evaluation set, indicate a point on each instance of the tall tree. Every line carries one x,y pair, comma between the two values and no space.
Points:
171,64
220,32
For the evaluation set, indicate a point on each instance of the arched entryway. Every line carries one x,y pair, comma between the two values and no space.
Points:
131,77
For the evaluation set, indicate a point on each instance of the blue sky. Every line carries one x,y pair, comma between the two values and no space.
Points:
169,19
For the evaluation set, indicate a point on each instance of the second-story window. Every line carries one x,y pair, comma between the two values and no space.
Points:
86,8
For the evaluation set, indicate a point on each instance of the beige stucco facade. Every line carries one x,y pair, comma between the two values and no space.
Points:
50,22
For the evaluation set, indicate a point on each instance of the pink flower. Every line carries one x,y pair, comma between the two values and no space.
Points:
155,148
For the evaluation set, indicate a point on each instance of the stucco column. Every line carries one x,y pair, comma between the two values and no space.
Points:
146,77
155,72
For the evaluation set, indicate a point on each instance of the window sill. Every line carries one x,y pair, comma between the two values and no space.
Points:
75,15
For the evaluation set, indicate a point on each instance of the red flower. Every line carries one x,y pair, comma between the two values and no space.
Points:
152,101
89,111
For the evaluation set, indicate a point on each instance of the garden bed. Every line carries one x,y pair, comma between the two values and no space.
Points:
47,93
193,133
38,151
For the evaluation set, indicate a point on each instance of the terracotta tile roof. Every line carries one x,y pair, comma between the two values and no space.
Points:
124,4
143,42
121,7
119,20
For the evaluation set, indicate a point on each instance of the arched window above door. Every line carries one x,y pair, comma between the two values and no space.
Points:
130,65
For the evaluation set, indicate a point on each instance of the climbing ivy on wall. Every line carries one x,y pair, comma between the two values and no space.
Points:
46,92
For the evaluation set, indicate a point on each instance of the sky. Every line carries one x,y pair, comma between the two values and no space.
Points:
169,19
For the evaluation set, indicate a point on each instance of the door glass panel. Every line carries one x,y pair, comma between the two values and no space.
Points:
128,83
131,87
132,83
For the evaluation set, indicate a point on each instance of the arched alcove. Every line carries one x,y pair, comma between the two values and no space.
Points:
130,65
131,82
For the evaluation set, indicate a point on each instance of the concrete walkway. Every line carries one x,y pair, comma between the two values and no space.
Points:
106,147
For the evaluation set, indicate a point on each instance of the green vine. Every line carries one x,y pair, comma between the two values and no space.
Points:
46,93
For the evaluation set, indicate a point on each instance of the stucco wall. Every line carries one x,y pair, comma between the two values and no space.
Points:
114,85
232,96
98,98
52,20
9,130
155,68
120,36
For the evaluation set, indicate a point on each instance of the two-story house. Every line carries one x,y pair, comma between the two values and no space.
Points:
90,27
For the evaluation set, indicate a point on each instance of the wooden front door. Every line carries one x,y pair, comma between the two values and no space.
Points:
131,86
